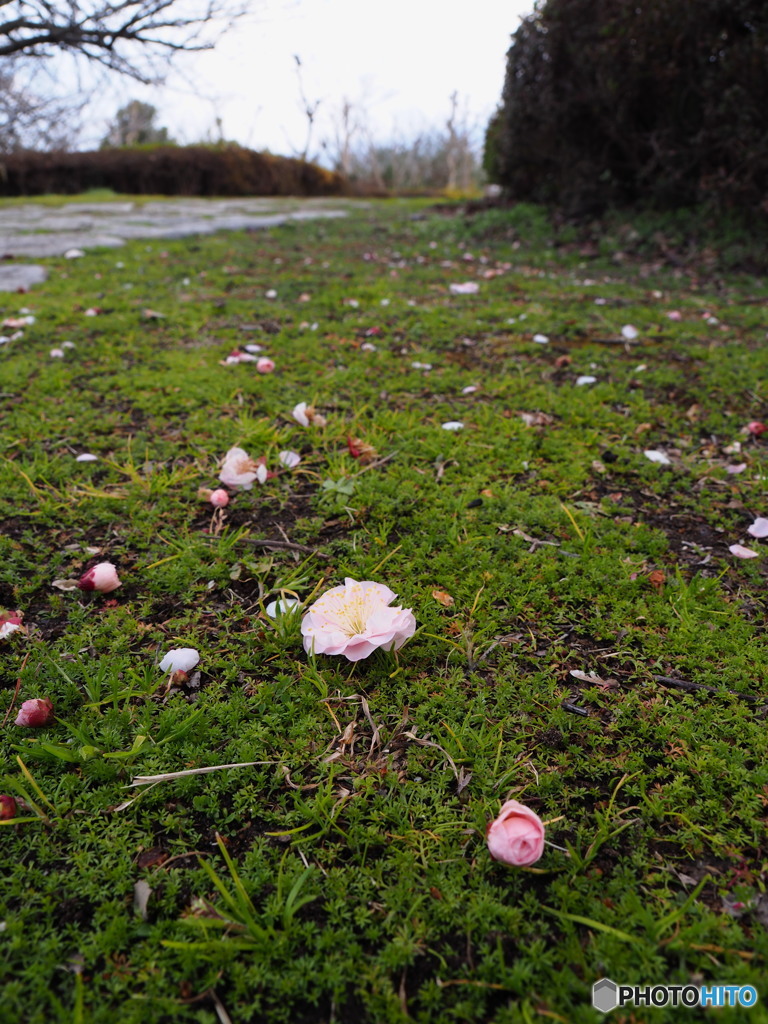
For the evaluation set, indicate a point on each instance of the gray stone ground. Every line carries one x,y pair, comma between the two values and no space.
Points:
34,230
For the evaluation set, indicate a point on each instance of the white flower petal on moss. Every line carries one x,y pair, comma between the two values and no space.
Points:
180,659
281,607
453,425
659,457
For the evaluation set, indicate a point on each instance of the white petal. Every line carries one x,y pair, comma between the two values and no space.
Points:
253,348
181,659
289,459
275,608
87,457
469,389
261,473
585,378
660,457
629,332
541,339
453,425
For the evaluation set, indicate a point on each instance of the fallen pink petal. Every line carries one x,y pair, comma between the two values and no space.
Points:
465,288
264,365
289,459
741,552
57,353
10,622
628,332
733,470
516,835
759,528
356,619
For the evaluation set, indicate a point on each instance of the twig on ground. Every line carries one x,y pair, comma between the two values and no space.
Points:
286,545
16,689
682,684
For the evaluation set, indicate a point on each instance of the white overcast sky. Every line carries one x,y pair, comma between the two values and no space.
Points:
400,60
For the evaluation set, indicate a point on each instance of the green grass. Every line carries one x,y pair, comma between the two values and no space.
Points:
344,877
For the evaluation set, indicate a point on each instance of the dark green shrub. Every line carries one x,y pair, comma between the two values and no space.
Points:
167,170
636,101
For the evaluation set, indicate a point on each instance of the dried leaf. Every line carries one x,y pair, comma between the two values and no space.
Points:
443,598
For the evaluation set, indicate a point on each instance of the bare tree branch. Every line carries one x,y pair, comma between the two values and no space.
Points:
128,36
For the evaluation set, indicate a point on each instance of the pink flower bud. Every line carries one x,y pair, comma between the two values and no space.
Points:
219,498
264,365
35,713
8,807
516,837
102,577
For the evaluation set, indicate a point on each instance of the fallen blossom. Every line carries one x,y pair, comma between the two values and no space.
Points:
102,577
541,339
355,619
306,415
270,293
741,552
660,457
759,528
585,378
289,459
629,332
93,311
180,659
421,366
516,835
350,302
675,314
56,353
367,346
469,389
35,713
361,450
281,607
236,356
10,622
384,302
219,498
8,807
73,254
733,470
452,425
67,344
756,428
87,457
465,288
305,297
18,321
253,348
240,470
264,365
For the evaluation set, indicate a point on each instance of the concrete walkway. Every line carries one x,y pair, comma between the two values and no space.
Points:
36,230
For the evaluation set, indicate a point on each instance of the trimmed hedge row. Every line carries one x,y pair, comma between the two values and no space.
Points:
624,102
167,170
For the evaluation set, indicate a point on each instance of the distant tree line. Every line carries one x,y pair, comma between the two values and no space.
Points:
622,102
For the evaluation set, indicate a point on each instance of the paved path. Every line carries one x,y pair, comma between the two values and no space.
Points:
35,230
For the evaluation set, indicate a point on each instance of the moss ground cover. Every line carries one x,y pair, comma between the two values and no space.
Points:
342,875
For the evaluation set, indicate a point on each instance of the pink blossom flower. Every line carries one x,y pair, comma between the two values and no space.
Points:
465,288
355,619
219,498
102,577
10,622
756,428
516,836
240,470
306,415
675,314
8,807
35,713
264,365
